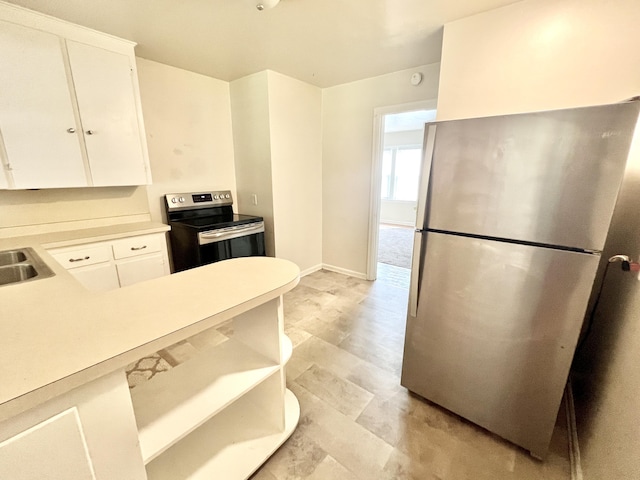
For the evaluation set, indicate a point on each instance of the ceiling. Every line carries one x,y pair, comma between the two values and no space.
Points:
321,42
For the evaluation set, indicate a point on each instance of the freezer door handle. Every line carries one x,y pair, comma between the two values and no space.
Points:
425,175
415,273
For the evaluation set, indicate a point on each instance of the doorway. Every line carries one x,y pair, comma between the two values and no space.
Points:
397,162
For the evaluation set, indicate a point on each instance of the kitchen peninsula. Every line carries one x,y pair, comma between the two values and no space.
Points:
65,406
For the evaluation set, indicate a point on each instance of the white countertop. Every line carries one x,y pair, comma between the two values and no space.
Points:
55,335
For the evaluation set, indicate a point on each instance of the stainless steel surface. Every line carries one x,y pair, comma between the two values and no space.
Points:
498,288
495,331
71,130
81,259
21,265
9,257
415,273
16,273
425,175
184,201
228,233
548,177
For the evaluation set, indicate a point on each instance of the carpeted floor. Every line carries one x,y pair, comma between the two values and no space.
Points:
395,244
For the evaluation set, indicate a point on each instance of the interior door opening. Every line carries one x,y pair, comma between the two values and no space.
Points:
397,165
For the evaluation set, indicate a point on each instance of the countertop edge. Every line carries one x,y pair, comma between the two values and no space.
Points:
286,277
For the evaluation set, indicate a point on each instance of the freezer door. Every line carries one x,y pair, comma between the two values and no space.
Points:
495,331
547,177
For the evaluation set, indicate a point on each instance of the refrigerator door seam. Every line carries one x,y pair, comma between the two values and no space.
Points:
517,242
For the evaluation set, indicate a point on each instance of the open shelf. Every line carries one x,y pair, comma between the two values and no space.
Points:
232,445
287,349
174,404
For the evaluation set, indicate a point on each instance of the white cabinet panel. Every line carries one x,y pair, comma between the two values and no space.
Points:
97,278
141,269
102,266
37,121
105,91
55,448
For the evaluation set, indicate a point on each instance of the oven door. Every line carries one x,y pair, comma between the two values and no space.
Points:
232,242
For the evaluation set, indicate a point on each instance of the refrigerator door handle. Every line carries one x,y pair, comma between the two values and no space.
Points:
425,175
415,273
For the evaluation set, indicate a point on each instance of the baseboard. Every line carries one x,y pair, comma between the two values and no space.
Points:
310,270
344,271
572,433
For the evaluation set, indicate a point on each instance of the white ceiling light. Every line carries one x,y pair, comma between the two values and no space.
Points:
266,4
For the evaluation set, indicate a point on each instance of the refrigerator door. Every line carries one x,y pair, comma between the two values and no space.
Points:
495,331
548,177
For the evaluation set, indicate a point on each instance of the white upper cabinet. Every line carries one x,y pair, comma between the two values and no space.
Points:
36,113
104,87
70,113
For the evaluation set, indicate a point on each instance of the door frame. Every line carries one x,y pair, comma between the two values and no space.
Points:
376,174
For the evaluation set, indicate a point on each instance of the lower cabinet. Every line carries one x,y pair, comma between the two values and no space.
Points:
87,434
103,266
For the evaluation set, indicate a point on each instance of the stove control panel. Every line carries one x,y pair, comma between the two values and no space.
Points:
177,201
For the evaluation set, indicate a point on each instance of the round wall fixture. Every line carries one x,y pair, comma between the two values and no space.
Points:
266,4
416,78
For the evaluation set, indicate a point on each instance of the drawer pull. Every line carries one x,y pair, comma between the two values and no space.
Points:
79,259
138,248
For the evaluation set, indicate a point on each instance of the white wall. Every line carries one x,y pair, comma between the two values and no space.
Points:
252,144
295,118
188,123
547,54
347,141
23,212
277,138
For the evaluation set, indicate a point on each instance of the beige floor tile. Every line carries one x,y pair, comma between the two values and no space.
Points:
263,474
327,356
343,395
404,467
178,353
331,469
296,335
208,338
386,358
322,329
298,458
357,449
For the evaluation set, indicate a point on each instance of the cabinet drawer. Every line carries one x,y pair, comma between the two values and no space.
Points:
82,256
140,245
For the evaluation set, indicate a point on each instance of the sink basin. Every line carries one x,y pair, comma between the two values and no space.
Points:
21,265
16,273
9,257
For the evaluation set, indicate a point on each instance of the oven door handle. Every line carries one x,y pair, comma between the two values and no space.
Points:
230,233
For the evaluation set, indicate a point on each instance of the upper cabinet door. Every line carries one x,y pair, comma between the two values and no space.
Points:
105,91
37,121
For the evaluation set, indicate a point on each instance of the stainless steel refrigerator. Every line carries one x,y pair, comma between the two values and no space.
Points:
512,217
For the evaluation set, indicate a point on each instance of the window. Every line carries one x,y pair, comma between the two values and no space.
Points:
400,173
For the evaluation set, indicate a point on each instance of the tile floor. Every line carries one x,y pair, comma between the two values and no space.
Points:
357,422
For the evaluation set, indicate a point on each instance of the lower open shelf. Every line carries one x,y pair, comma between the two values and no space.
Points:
230,446
170,406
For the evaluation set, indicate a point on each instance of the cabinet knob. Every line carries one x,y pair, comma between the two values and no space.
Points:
71,130
89,132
